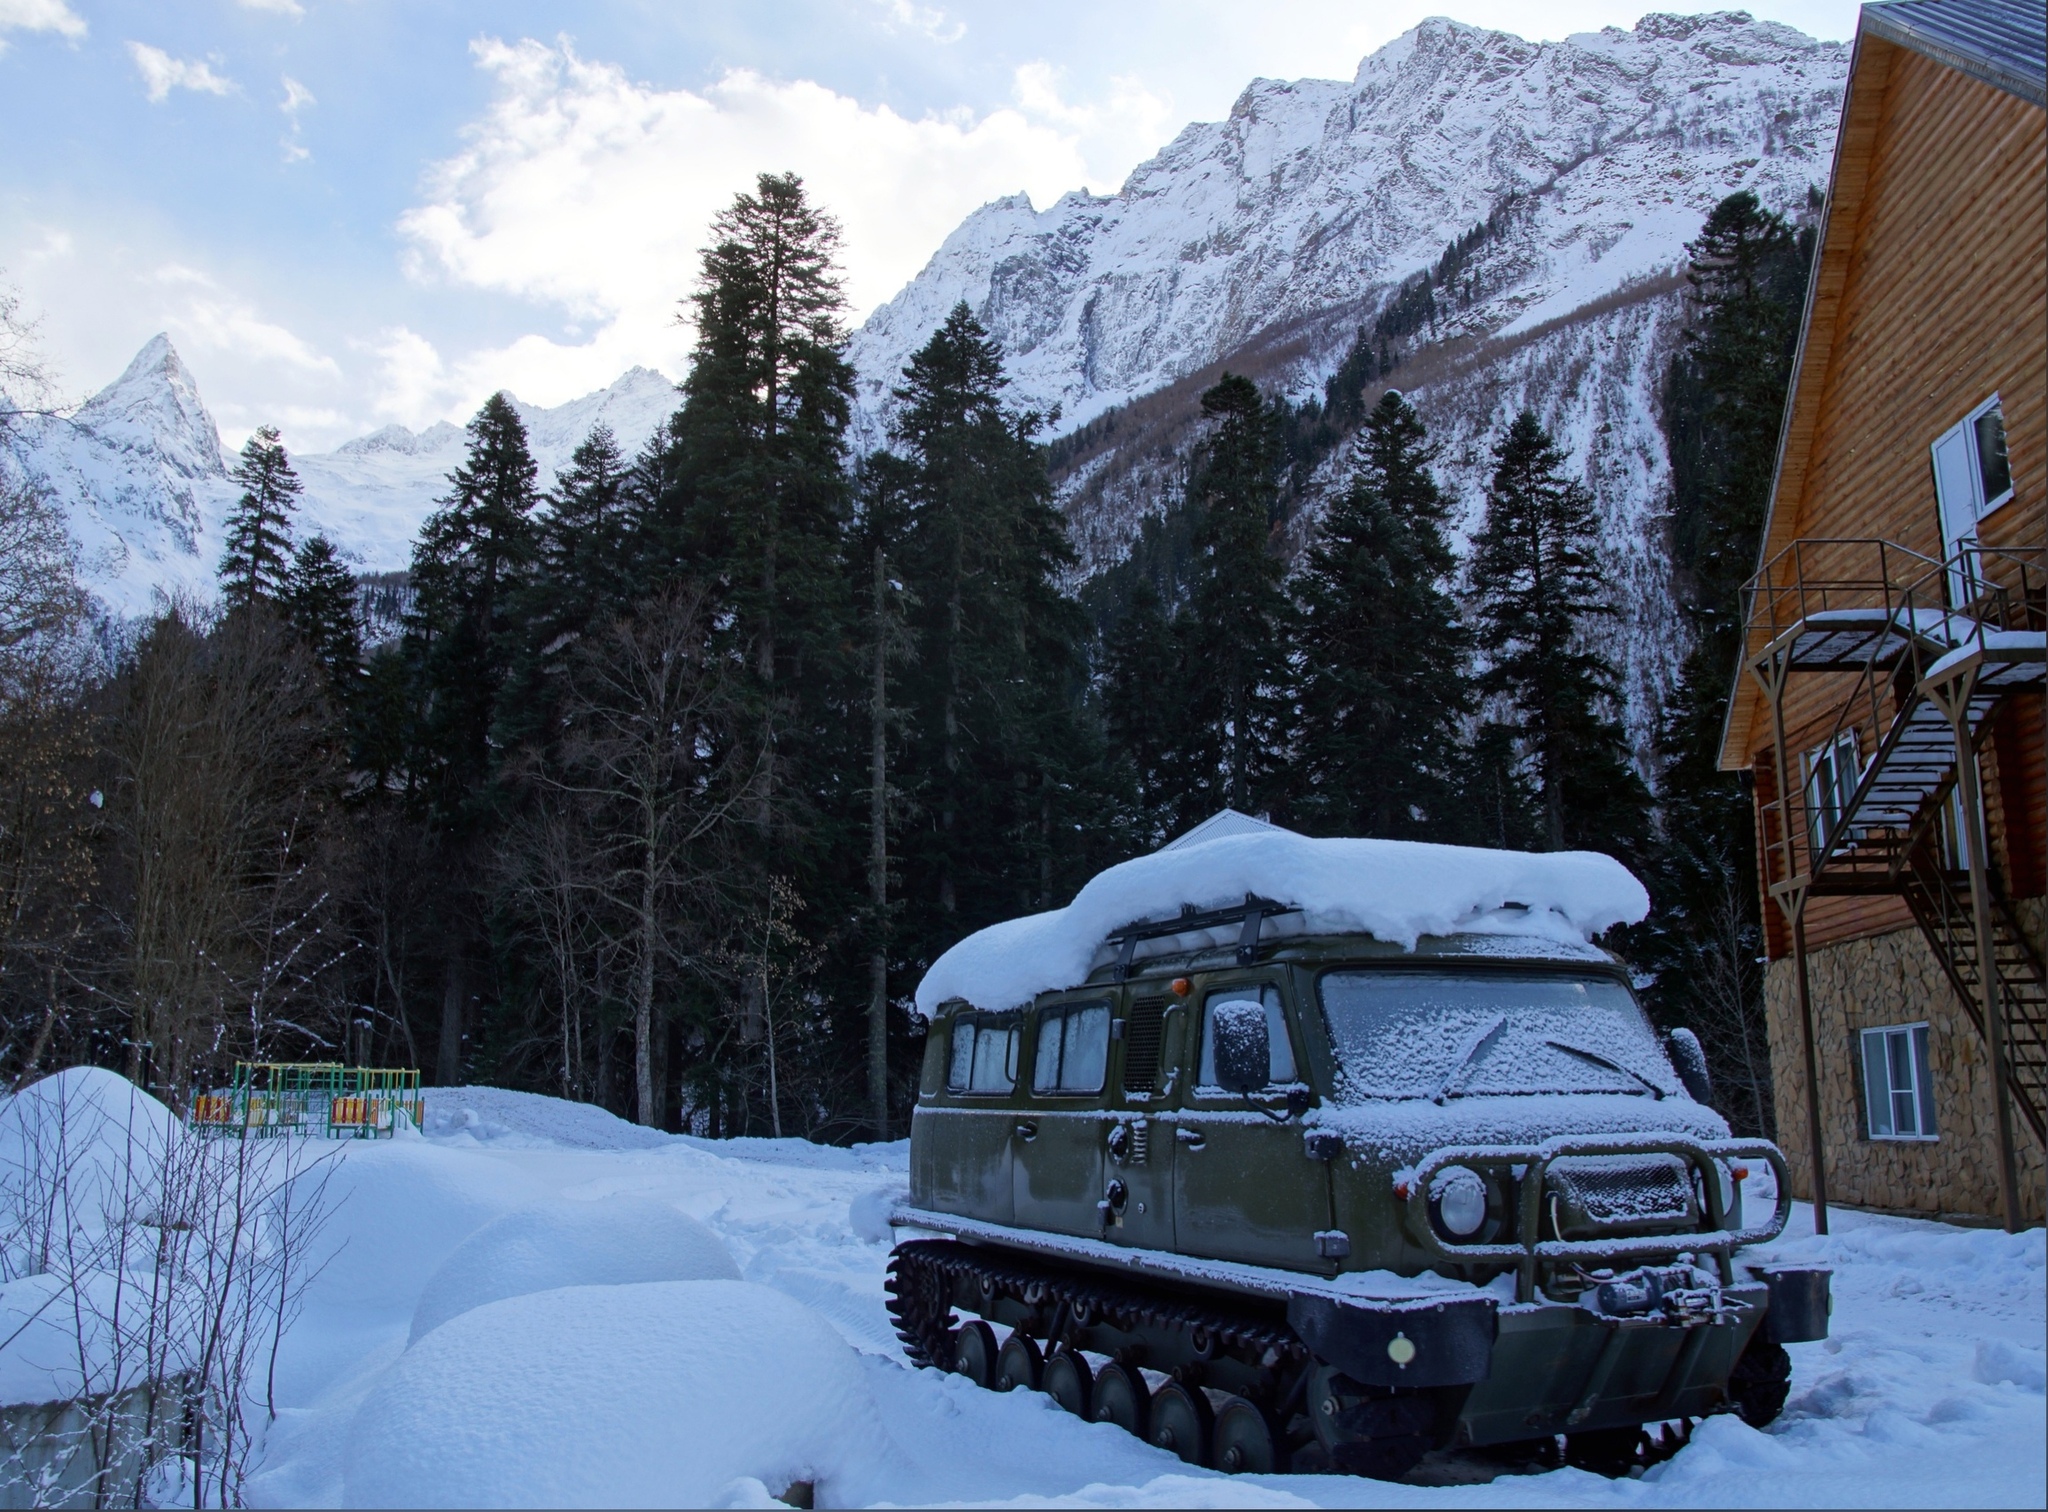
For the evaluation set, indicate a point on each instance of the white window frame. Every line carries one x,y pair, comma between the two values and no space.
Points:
1827,802
1959,489
1882,1051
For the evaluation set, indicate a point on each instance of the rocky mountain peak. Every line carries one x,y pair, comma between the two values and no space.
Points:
154,408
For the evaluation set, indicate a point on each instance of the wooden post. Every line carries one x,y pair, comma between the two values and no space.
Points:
1794,905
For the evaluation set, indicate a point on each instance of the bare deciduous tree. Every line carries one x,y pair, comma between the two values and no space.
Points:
652,756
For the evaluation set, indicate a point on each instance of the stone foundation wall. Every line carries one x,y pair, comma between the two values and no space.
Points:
1866,984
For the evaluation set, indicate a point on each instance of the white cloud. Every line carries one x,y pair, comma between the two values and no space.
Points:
290,8
582,189
928,21
296,98
162,73
40,15
1115,133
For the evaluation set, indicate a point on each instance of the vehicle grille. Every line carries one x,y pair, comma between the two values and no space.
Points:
1603,1194
1141,1045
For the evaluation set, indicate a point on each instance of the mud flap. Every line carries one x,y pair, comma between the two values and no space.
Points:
1801,1302
1419,1343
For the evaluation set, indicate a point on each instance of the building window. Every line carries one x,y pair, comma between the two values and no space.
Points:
1972,477
1898,1085
1832,771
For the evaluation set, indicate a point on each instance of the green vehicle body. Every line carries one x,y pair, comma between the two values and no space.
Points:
1318,1210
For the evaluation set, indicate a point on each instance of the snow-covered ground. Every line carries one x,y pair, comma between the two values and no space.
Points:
656,1382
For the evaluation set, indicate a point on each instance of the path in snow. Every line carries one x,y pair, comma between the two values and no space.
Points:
1929,1393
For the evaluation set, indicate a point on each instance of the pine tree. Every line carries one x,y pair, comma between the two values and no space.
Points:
1381,646
997,671
320,605
1234,626
1539,594
259,528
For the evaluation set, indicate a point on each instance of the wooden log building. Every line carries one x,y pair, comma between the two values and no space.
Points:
1890,702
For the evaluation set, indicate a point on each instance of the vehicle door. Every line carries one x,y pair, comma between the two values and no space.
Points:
973,1130
1138,1144
1244,1187
1058,1129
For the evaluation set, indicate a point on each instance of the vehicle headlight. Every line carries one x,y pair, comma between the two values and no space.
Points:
1460,1202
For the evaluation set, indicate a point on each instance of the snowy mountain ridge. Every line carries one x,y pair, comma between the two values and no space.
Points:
146,488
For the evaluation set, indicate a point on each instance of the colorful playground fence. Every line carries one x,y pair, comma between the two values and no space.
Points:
318,1099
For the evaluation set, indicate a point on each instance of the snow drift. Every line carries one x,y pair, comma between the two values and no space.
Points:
613,1241
1393,890
663,1394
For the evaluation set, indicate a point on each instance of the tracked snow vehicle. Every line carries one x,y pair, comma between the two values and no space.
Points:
1322,1154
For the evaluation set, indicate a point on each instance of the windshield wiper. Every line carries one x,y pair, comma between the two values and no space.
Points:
1472,1056
1600,1060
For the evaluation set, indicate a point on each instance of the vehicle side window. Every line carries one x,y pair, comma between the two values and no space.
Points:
1073,1049
984,1056
1279,1049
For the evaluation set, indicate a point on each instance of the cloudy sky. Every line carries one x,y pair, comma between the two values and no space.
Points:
348,212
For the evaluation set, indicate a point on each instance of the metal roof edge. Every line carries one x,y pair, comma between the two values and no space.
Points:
1887,21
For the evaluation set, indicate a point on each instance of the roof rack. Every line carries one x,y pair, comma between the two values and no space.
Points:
1252,914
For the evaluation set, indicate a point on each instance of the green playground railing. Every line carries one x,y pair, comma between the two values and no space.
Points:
269,1099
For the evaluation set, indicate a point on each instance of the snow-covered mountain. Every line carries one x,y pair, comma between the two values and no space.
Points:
1314,196
1262,243
141,474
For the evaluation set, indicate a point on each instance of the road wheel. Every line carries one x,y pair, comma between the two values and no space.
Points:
1182,1422
1019,1363
974,1352
1243,1439
1069,1381
1121,1398
1760,1381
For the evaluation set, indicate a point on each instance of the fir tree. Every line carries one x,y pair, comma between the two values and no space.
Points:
320,605
1234,627
578,580
997,666
1724,401
1538,594
259,528
752,497
467,564
1382,650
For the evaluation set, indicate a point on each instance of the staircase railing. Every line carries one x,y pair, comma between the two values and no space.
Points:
1922,655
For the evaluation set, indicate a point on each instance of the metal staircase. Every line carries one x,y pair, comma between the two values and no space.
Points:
1940,900
1918,658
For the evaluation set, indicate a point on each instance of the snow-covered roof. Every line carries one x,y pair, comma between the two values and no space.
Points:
1222,823
1393,890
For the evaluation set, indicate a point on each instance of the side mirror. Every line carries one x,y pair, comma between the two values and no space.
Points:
1244,1057
1690,1059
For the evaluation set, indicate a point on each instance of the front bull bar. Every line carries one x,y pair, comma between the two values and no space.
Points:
1534,1162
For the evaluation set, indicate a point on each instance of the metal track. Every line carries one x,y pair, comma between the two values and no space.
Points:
926,1275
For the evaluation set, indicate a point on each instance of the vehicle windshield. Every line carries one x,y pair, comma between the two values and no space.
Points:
1444,1034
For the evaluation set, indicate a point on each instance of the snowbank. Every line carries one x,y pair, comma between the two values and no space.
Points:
85,1148
612,1241
1394,890
663,1394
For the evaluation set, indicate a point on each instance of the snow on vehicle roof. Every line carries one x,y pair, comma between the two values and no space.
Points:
1393,890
